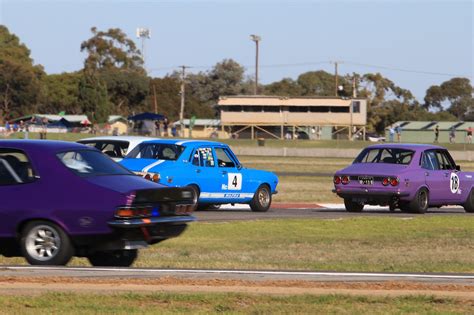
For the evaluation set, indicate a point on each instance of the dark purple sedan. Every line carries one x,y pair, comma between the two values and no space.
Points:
411,177
63,199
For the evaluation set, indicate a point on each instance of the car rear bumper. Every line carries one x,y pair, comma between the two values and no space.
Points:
147,222
361,192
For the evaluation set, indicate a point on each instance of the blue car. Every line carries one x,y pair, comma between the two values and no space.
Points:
211,168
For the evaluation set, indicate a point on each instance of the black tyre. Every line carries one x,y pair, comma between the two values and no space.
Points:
116,258
262,199
420,203
352,206
45,243
469,204
207,206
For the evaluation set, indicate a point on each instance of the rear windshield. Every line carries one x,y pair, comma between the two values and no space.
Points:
156,151
385,155
91,163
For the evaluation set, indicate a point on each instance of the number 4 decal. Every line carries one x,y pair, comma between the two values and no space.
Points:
234,181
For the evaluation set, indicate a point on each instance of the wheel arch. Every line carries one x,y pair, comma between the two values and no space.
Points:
24,222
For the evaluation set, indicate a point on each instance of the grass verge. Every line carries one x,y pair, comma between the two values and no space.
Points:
170,303
370,244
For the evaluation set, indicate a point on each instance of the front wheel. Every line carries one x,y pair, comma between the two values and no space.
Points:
261,200
469,204
420,203
116,258
45,243
352,206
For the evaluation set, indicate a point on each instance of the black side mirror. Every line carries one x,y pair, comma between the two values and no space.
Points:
458,167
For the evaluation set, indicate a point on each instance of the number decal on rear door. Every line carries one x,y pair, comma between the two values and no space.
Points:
234,181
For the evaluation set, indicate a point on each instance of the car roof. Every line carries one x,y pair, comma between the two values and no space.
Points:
186,141
51,145
119,138
409,146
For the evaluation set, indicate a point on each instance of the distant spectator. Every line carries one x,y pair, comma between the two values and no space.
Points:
165,127
288,135
398,131
391,134
8,128
157,128
452,135
469,135
436,132
44,128
15,127
174,132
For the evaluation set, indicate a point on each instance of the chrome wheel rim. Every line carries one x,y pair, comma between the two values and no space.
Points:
263,197
43,242
423,199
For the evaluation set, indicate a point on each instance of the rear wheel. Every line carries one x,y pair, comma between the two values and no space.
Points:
262,199
352,206
116,258
45,243
419,204
469,204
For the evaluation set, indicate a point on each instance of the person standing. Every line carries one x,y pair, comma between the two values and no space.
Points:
391,133
436,132
398,130
452,135
469,134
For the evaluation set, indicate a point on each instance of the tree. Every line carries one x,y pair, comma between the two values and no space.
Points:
285,87
94,99
60,92
320,83
455,94
19,78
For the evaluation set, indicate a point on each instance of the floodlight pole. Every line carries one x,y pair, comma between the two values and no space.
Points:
181,112
256,39
143,33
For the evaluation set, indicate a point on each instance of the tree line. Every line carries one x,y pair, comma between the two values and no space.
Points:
113,81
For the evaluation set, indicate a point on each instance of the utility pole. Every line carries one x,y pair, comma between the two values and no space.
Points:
143,33
336,63
256,39
181,113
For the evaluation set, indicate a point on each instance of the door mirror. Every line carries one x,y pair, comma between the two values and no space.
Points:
458,167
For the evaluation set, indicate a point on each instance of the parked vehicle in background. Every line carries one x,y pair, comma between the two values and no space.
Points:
210,168
63,199
114,146
412,177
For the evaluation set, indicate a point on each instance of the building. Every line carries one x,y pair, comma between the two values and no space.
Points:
285,117
202,128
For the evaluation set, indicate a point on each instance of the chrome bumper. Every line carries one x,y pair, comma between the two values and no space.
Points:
134,223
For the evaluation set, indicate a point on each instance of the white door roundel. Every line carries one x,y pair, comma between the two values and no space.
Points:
234,181
454,183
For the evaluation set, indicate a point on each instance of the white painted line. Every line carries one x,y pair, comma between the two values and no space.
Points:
251,272
146,168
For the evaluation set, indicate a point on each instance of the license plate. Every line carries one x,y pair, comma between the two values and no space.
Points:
366,180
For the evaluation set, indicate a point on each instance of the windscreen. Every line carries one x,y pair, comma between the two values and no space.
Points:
91,163
156,151
385,155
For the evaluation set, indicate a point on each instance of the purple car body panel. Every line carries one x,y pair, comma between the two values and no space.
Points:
82,206
446,184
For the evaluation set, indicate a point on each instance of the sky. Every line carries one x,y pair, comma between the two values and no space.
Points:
415,43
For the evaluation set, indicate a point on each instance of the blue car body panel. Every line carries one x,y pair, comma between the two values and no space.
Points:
212,166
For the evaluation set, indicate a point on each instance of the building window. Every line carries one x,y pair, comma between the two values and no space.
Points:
356,106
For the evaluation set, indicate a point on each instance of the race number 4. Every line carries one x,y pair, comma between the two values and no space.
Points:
454,183
234,181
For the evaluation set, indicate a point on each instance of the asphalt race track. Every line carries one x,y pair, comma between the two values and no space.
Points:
313,211
250,275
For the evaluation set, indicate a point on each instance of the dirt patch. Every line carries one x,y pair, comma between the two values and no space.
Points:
37,285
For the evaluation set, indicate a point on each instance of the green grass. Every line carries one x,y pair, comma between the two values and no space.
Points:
377,244
226,303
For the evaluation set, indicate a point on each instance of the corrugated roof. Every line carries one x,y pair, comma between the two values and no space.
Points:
201,122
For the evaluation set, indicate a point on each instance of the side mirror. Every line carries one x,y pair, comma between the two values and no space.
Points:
239,167
458,167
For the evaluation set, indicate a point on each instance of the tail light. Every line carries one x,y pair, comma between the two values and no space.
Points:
337,180
135,212
394,181
385,181
345,180
154,177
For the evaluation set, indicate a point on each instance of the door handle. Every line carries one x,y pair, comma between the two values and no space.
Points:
224,172
198,171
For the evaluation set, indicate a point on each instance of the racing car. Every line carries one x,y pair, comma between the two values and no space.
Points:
114,146
411,177
63,199
210,168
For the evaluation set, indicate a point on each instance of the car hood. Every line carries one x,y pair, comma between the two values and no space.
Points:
123,183
142,165
372,169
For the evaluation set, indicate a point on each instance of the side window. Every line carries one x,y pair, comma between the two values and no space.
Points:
203,157
445,161
223,158
15,168
430,161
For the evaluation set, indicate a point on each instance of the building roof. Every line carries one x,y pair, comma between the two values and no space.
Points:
200,122
264,100
429,125
51,117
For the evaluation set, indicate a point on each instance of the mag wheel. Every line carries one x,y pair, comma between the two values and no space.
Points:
352,206
469,204
45,243
115,258
261,200
420,203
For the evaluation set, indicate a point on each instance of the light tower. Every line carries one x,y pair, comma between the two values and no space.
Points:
256,39
143,33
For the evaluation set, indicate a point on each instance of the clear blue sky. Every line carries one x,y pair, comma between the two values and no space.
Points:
297,36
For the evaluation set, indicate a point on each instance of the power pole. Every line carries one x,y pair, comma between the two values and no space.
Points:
256,39
336,63
154,99
181,113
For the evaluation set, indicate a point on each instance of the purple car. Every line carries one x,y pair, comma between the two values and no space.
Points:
411,177
63,199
